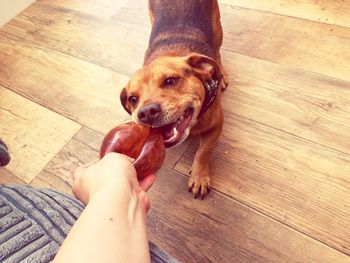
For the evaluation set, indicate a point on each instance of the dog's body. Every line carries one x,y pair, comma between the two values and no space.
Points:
178,89
181,27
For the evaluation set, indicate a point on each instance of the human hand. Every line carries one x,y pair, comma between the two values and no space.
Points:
113,225
114,172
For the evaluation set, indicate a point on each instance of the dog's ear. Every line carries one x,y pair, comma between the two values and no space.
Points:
204,67
124,100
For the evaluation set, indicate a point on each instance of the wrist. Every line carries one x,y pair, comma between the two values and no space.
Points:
133,201
112,194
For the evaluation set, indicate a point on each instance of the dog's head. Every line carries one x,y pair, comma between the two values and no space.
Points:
169,93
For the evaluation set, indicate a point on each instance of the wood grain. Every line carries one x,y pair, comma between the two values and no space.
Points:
220,229
282,163
69,158
78,90
47,179
335,12
85,36
33,134
7,178
279,39
300,183
102,8
312,46
307,105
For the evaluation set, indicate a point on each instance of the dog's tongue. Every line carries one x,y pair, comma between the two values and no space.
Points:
173,133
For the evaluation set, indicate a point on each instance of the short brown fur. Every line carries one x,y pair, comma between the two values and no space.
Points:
185,41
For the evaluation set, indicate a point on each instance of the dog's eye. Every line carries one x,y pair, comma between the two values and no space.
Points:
133,100
171,81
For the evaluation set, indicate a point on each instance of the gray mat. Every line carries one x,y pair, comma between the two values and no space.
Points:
34,223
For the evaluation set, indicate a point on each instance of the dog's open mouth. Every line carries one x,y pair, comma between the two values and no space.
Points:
177,131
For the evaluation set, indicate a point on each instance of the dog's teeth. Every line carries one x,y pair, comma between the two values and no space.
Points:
175,132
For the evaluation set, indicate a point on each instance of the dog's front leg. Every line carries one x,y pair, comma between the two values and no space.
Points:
199,181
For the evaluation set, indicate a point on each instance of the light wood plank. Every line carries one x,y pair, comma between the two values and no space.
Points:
7,178
315,47
33,134
46,179
117,44
174,154
76,89
300,183
74,154
102,8
284,40
307,105
335,12
330,129
219,229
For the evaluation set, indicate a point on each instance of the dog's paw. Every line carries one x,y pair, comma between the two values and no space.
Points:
199,185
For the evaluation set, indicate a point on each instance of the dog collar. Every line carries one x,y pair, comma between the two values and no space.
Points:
211,90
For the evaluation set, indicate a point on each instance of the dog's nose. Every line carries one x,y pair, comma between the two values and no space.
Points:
148,113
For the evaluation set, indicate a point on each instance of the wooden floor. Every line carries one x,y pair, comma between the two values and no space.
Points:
281,169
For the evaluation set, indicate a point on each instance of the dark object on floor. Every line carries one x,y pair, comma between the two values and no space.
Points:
4,154
34,222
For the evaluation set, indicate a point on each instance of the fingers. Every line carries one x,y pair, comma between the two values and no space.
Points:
118,162
147,182
112,170
143,200
147,203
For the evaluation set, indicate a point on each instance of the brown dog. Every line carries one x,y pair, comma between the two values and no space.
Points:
178,89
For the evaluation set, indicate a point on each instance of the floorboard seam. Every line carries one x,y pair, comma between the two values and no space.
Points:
289,133
234,6
45,47
271,217
281,65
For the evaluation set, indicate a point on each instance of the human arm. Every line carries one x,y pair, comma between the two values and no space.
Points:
112,228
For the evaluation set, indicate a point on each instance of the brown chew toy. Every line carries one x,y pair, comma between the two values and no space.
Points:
138,142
